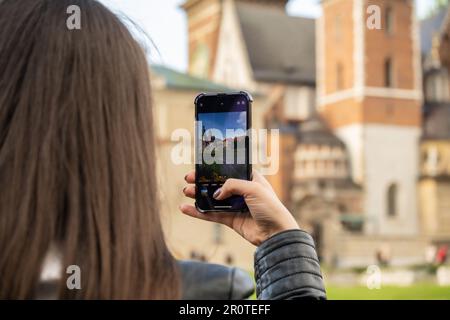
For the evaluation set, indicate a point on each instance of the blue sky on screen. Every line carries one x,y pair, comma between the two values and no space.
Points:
165,23
223,121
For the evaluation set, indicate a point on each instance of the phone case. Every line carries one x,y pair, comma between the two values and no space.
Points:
250,102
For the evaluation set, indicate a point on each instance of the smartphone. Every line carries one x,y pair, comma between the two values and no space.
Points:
222,140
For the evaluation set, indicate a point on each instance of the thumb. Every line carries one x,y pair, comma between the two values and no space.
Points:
235,187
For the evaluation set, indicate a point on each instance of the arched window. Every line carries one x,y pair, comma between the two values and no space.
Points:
392,200
338,27
389,20
339,76
388,73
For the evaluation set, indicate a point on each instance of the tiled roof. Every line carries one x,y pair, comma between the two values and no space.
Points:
281,48
182,81
430,27
315,131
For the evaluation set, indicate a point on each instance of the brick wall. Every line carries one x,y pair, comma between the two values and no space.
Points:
379,45
338,45
369,100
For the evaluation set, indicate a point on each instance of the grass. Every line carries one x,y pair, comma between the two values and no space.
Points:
414,292
419,291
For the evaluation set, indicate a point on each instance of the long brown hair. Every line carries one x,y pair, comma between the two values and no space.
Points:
77,158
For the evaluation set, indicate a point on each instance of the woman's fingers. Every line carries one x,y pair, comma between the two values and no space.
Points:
219,217
190,177
230,187
236,187
189,191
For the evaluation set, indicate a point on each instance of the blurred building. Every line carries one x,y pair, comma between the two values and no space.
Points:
364,117
434,183
370,95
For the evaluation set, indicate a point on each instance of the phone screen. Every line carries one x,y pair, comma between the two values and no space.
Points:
222,123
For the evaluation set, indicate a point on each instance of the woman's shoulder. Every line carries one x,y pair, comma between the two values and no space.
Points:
200,281
207,281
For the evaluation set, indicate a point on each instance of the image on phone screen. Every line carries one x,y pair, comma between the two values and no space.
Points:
223,147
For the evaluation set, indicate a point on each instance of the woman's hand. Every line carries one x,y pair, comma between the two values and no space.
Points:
267,216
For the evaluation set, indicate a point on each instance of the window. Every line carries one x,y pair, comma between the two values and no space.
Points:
437,87
432,160
388,73
392,200
339,77
338,28
389,20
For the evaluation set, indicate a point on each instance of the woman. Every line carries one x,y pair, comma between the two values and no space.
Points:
77,169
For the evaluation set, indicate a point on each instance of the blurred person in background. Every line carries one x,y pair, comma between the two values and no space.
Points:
441,255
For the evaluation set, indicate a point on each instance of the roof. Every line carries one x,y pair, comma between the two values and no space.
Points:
315,131
182,81
445,41
281,48
431,26
436,124
310,131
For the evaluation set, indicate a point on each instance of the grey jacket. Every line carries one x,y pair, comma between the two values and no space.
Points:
286,267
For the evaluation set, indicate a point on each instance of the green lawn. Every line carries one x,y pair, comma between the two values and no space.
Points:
415,292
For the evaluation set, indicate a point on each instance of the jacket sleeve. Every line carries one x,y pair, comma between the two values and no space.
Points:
207,281
287,267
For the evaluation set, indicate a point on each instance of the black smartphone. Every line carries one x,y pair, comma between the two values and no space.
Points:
223,123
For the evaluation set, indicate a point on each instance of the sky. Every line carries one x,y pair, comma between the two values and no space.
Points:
165,24
225,120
